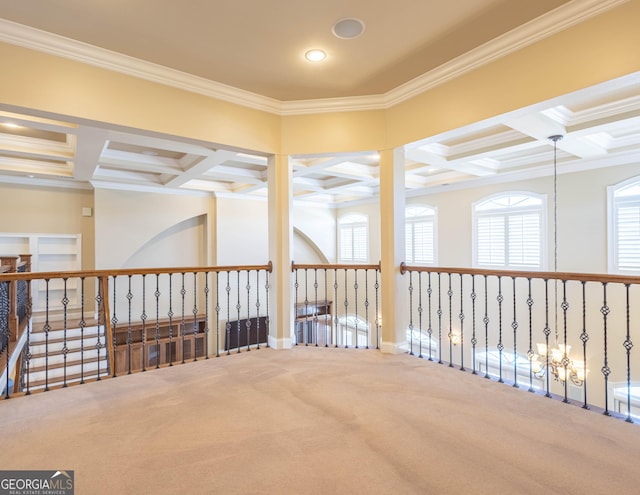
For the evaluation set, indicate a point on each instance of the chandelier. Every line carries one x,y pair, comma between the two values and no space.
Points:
558,364
556,359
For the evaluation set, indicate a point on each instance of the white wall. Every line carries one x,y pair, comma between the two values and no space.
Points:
242,232
126,221
318,226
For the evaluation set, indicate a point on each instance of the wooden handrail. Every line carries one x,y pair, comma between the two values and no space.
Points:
580,277
130,271
336,266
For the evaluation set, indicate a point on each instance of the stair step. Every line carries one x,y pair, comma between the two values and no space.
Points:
75,379
59,335
74,353
42,365
56,374
56,346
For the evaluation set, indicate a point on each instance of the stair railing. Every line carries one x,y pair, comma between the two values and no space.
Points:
122,321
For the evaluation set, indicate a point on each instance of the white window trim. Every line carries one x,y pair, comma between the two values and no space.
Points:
435,232
544,248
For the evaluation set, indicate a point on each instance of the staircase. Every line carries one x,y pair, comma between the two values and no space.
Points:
48,367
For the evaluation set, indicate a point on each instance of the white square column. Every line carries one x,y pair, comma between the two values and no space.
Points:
392,231
280,179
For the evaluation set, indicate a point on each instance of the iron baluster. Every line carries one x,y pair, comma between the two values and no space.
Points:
183,323
439,313
305,332
547,332
450,334
248,324
82,325
195,315
206,315
227,325
584,337
157,295
47,329
129,335
355,296
326,312
6,305
170,314
606,371
218,314
411,326
114,325
335,298
514,325
485,320
530,353
315,311
628,345
102,321
268,321
565,357
377,287
296,286
238,308
430,329
366,305
461,317
143,318
500,298
474,340
346,310
420,310
65,347
258,305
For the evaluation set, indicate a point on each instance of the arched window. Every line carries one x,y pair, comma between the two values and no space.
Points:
353,238
624,227
420,231
508,231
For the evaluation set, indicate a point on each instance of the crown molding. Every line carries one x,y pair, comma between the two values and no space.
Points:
570,14
553,22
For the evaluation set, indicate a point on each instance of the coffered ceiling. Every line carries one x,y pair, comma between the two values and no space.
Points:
399,46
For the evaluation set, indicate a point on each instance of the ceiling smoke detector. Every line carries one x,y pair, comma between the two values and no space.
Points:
348,29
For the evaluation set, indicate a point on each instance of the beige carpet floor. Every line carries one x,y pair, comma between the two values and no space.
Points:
317,421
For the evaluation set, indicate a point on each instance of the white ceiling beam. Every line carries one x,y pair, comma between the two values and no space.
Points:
90,143
201,165
439,161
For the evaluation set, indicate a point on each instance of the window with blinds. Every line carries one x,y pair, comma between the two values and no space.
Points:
508,232
353,238
420,235
625,236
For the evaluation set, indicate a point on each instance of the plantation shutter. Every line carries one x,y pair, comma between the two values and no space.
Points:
422,234
491,240
628,236
524,240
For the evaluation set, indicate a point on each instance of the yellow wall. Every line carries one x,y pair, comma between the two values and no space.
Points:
46,83
596,51
592,52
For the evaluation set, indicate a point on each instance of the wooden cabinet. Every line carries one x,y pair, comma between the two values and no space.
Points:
174,343
313,323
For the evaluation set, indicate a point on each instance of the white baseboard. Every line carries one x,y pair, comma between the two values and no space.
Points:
276,343
393,347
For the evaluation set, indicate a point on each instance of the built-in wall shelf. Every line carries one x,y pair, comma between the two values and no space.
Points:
50,253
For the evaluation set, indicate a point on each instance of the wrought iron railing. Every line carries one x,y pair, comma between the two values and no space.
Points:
337,305
104,323
564,335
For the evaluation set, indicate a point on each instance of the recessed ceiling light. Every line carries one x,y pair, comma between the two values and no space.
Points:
347,29
315,55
